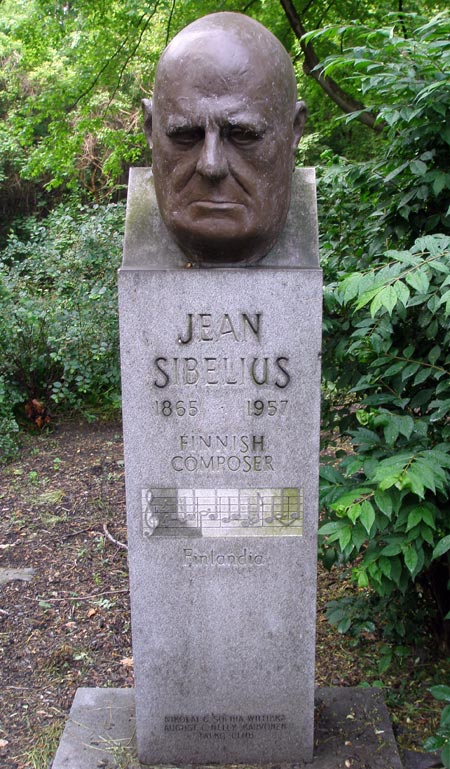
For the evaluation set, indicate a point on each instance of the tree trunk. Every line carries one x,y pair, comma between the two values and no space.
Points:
310,66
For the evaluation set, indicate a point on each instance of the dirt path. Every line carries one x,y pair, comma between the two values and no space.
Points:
62,504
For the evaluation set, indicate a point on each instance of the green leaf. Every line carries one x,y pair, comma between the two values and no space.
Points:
344,625
445,755
414,518
385,566
428,513
345,536
359,536
396,570
434,743
330,557
426,534
410,557
367,516
445,299
442,547
418,280
395,367
363,579
386,298
409,370
331,528
384,663
393,548
389,480
434,354
402,292
391,431
367,296
350,497
445,716
439,184
384,501
396,171
411,479
427,474
335,612
422,375
418,167
331,476
350,287
353,513
440,692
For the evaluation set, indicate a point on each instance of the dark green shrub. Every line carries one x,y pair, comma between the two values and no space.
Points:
58,314
387,331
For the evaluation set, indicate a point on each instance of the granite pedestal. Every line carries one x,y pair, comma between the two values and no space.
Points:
221,383
221,393
353,731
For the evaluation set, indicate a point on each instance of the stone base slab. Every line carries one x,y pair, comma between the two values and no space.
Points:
352,731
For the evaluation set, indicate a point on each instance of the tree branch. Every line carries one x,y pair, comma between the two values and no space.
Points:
111,538
118,50
402,19
169,23
311,67
249,5
133,52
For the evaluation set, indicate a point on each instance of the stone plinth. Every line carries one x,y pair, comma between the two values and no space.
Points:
353,730
221,391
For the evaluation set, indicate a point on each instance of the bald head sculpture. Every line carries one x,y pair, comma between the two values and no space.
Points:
224,126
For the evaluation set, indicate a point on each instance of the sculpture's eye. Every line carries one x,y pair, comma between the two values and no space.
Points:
186,136
243,136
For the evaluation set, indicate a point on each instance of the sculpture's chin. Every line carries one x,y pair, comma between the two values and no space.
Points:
217,251
224,253
224,233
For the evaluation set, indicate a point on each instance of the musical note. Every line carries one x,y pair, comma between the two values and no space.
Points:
222,512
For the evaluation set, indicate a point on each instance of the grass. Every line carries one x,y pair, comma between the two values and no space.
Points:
45,745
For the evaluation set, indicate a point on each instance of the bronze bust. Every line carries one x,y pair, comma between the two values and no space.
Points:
224,126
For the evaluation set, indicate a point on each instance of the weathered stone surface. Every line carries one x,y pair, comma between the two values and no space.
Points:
353,730
223,126
221,388
100,730
415,759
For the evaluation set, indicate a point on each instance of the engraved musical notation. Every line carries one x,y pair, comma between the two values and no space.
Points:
222,512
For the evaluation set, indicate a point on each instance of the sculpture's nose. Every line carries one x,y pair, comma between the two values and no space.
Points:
212,162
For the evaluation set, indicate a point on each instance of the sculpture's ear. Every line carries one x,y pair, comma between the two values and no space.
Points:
148,123
299,122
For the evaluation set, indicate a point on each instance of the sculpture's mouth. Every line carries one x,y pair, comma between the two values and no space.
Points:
211,205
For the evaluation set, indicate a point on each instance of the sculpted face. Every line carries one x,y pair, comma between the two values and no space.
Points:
224,127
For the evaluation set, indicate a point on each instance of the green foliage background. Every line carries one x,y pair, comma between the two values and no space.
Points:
387,333
58,314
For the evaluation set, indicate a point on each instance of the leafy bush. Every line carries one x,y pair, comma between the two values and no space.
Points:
387,503
387,334
441,740
58,313
406,82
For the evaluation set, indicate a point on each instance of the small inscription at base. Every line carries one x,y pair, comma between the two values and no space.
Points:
221,726
222,512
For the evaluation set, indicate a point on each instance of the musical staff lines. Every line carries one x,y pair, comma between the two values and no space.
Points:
222,512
